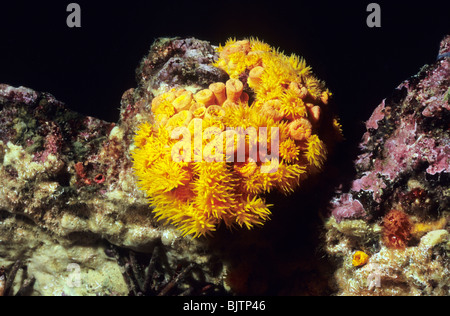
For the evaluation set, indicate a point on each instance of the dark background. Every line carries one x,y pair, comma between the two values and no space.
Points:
90,67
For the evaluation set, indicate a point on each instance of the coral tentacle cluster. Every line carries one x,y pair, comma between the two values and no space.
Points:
210,156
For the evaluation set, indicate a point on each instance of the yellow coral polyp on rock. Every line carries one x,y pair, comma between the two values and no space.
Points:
360,258
210,156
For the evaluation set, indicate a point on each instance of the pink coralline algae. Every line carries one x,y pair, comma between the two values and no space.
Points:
377,115
52,144
407,133
347,207
20,94
408,148
434,104
439,158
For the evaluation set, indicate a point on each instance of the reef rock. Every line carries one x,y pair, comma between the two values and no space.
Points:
403,165
66,181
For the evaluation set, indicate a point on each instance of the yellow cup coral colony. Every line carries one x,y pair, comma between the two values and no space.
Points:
210,156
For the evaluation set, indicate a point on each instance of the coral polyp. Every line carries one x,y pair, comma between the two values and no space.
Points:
360,258
211,154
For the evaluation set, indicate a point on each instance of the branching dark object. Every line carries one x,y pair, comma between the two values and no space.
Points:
6,281
146,277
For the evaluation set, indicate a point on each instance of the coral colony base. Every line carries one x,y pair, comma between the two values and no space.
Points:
210,155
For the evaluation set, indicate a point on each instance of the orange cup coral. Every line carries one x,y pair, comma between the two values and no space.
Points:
210,156
360,258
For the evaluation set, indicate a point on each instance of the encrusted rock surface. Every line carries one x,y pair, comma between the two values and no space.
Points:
404,165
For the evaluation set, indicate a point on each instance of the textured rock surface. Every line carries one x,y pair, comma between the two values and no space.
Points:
60,266
404,165
70,178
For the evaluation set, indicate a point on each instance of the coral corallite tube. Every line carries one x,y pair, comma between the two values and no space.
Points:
219,89
205,97
300,129
198,110
234,89
271,109
254,77
183,102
